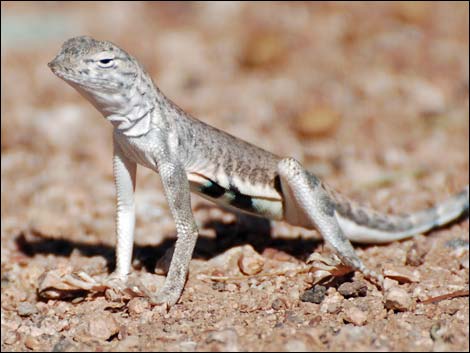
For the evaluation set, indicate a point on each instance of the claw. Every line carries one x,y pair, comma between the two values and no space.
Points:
165,297
63,283
326,266
81,280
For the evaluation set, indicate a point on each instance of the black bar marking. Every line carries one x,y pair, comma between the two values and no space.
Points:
212,189
277,184
326,205
360,216
240,200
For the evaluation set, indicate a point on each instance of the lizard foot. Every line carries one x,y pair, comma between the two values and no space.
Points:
167,296
65,284
82,280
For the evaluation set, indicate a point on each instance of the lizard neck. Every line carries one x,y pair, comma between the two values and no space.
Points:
132,116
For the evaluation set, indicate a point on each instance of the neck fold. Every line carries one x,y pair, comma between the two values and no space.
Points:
135,119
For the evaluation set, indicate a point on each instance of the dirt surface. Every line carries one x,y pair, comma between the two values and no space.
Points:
373,98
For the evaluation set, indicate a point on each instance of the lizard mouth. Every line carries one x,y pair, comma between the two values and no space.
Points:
88,82
92,83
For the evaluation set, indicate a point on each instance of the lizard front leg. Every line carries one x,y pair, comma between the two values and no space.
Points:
124,171
177,192
308,204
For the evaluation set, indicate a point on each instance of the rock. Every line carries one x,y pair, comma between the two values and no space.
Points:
32,343
355,316
389,283
295,345
218,286
332,304
401,274
278,304
353,289
188,346
249,302
457,243
11,337
425,96
464,262
63,345
137,306
243,258
102,326
398,299
231,287
250,262
415,255
317,121
263,50
26,309
316,294
226,340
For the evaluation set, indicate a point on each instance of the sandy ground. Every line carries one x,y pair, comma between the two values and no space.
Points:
372,98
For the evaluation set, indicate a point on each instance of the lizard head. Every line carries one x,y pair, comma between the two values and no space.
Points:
101,71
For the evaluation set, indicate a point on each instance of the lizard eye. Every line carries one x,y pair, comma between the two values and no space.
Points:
106,62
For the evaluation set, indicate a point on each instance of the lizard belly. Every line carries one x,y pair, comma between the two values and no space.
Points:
258,205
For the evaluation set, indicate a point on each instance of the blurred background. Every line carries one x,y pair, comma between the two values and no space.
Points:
361,93
371,96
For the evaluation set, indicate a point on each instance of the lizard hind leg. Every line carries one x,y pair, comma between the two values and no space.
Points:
308,204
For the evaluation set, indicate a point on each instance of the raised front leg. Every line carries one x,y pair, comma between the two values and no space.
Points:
176,187
307,204
124,178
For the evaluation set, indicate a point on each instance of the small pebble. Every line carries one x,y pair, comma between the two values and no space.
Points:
353,289
457,243
32,342
188,346
10,338
332,304
317,121
295,345
398,299
316,294
218,286
249,303
26,309
401,274
263,50
464,262
251,264
355,316
137,306
415,256
63,345
278,304
226,340
102,326
231,287
389,283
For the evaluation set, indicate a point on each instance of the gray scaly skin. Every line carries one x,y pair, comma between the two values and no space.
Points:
189,155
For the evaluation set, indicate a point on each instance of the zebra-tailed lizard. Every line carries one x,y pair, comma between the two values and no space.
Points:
189,155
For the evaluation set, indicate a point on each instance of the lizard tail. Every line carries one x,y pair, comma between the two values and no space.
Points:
364,225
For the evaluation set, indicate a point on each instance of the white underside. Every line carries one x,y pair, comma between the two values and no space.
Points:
361,234
447,211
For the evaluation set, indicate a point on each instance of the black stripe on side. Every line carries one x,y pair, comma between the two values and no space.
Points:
240,200
212,189
277,184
